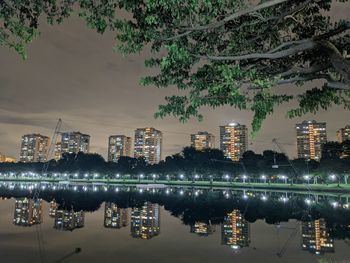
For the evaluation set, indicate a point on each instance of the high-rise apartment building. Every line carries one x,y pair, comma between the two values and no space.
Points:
202,140
316,238
311,135
343,134
234,140
69,220
145,221
148,144
202,229
114,216
118,145
72,142
28,212
34,148
235,231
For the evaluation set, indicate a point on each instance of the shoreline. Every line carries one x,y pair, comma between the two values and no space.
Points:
330,188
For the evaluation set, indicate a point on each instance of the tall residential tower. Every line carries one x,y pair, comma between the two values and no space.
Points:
234,140
72,142
34,148
343,134
118,145
148,144
310,137
202,140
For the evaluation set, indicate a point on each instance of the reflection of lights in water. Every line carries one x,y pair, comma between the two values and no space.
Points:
117,189
308,201
235,247
245,196
284,199
264,197
167,191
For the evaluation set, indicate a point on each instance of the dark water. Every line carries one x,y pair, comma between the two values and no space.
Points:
126,224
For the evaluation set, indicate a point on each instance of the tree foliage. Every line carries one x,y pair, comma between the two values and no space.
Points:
216,52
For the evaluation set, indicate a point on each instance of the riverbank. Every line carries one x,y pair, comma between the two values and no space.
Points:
332,188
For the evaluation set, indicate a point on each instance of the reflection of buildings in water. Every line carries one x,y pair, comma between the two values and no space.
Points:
53,208
115,217
145,221
69,220
235,231
28,212
202,229
316,238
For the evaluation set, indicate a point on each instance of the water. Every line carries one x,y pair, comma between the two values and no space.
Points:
127,224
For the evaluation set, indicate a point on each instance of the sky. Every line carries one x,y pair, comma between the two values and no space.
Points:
73,73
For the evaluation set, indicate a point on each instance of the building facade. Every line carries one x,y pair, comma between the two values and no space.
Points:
145,221
235,231
202,140
316,238
311,135
148,144
34,148
202,228
118,145
234,140
68,220
343,134
114,216
72,142
28,212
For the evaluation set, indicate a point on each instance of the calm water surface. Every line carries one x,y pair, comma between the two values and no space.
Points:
170,225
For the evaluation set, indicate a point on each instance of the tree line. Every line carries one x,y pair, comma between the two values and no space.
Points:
201,165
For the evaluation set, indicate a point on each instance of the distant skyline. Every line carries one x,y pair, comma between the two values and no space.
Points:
72,73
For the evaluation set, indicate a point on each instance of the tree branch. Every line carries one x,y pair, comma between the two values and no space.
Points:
237,15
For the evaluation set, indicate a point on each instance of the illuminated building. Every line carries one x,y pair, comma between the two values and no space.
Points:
145,221
57,151
118,145
316,238
310,137
148,144
73,142
235,231
202,140
202,229
53,208
28,212
34,148
343,134
234,140
6,159
69,220
115,217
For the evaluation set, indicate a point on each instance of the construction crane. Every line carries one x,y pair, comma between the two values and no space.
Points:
281,148
39,234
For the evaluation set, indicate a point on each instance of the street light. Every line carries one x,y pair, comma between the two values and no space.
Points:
181,176
227,177
244,177
154,177
285,178
263,177
333,177
307,178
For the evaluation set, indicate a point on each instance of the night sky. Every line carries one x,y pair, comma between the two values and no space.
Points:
72,72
